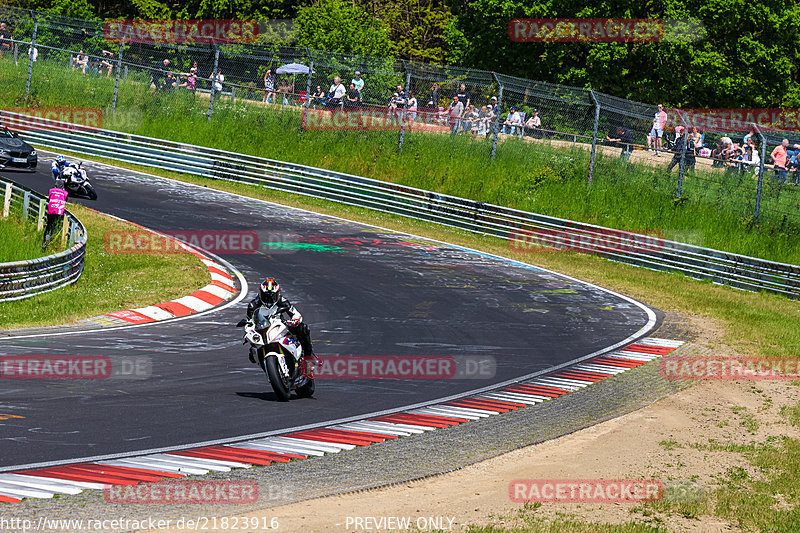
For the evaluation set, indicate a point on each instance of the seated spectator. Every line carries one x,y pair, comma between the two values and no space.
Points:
81,61
469,115
170,82
285,90
189,81
6,40
751,157
697,139
513,121
411,114
336,92
106,62
533,125
158,73
94,68
482,121
353,96
722,152
317,99
779,157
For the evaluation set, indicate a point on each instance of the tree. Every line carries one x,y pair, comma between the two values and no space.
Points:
339,26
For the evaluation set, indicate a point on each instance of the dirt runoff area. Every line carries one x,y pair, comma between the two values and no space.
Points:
657,442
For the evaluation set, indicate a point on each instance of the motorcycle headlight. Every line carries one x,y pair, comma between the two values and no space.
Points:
256,337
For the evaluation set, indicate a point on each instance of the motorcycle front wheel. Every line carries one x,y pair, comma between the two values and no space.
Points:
278,381
90,192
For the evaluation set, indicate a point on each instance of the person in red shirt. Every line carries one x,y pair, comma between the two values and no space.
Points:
779,157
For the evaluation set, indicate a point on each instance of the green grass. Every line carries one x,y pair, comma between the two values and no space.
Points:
110,281
715,211
19,241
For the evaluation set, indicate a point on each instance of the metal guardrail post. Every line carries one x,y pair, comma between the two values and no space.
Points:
7,201
683,157
214,73
119,68
26,202
407,87
31,54
594,134
496,125
760,171
41,214
304,119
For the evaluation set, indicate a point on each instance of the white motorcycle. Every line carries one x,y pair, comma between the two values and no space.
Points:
279,353
77,183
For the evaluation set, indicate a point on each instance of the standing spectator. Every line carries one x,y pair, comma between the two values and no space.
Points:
353,96
336,92
494,112
533,124
752,158
6,40
689,158
217,80
269,86
513,121
318,97
779,156
158,74
482,121
455,111
81,61
359,83
463,95
194,68
33,52
433,96
412,107
108,57
400,103
657,131
285,90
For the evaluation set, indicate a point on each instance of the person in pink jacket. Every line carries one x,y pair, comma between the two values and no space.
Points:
56,205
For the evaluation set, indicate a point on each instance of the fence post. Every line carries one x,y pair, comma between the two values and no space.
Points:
66,227
26,202
683,157
7,200
31,55
213,73
233,94
119,68
405,106
760,171
41,214
496,125
304,120
594,134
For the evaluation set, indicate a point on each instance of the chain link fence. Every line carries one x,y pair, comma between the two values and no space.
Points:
317,90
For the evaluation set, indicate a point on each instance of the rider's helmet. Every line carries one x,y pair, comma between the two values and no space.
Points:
269,292
61,160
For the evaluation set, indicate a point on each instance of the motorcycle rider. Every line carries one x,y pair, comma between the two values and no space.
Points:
59,165
269,292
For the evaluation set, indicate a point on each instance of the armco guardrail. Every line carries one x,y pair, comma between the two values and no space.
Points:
23,279
520,227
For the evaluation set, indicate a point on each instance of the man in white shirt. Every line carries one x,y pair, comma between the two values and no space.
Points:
512,121
336,92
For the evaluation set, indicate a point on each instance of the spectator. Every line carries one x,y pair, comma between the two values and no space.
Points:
81,61
463,96
170,82
534,125
353,96
468,117
33,51
6,40
336,92
433,96
94,70
412,107
285,90
779,157
318,97
269,86
359,83
750,131
722,152
657,131
193,70
494,112
482,122
513,121
190,81
751,157
400,103
689,158
697,139
454,112
108,57
623,138
158,74
217,80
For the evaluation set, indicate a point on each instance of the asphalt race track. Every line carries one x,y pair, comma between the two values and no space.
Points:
363,290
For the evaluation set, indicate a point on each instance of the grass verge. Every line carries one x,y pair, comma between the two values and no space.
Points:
109,282
20,241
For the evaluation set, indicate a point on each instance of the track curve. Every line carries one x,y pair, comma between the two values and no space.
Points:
363,290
